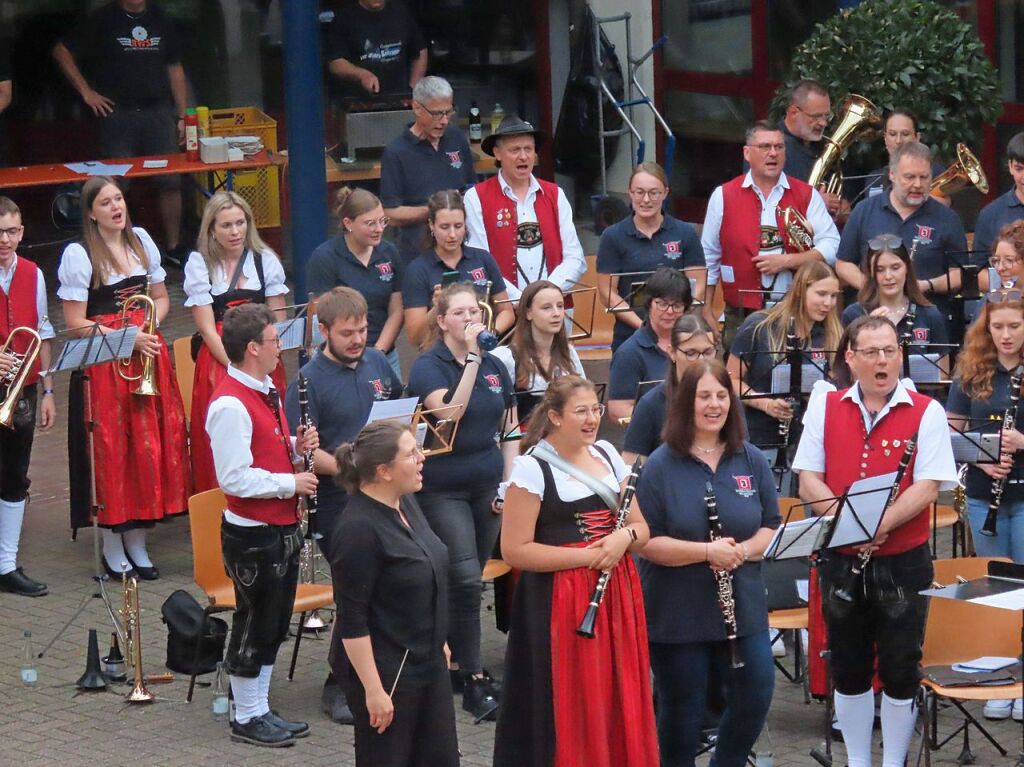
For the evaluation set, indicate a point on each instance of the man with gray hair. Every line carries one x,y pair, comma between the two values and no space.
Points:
932,233
430,155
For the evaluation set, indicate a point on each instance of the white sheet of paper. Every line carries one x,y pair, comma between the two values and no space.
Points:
810,374
984,663
802,590
863,510
394,409
1008,600
154,164
727,273
93,168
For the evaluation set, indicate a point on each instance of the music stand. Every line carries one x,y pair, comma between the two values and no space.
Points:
301,331
526,401
972,445
926,365
1003,589
635,299
78,355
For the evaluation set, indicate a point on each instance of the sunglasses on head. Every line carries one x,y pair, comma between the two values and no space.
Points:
1003,295
885,242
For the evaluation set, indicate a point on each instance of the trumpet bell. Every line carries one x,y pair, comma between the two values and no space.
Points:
147,387
966,170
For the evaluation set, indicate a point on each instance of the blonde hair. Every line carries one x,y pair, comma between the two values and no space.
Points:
794,306
102,259
206,243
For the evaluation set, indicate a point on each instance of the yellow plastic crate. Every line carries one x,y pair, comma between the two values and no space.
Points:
260,188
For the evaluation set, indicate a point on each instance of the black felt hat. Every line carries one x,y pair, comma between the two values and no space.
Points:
512,125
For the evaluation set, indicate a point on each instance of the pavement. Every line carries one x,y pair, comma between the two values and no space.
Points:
53,724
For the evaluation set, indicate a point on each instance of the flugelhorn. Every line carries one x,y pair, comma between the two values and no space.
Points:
966,170
146,379
133,639
13,381
858,119
798,229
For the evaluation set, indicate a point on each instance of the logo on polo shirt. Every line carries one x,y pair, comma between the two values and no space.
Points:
494,383
672,249
380,391
455,159
924,234
920,334
478,276
385,271
818,355
744,485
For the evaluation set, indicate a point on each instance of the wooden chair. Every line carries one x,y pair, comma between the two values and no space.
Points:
184,371
205,511
959,631
946,516
599,345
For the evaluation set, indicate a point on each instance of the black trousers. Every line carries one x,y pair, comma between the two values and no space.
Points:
263,563
16,447
886,617
422,733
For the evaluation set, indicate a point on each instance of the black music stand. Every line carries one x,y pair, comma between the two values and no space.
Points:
635,299
977,443
1002,589
78,355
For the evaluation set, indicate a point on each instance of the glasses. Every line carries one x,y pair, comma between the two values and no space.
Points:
414,456
11,233
994,261
437,114
768,147
379,223
821,116
668,306
274,340
1002,296
873,352
885,242
696,354
595,410
647,194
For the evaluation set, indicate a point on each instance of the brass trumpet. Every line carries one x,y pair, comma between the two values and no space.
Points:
966,170
799,230
132,629
14,379
859,119
146,379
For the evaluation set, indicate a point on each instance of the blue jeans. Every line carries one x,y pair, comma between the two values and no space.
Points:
395,363
464,521
681,673
1009,538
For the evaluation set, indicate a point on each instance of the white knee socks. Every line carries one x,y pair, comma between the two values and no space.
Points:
135,544
11,515
246,692
898,717
856,715
264,677
113,551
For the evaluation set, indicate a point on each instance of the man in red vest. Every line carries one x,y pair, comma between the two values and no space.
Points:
255,459
884,614
525,223
22,304
746,243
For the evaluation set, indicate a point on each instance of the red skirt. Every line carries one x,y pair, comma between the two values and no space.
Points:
140,448
208,374
603,707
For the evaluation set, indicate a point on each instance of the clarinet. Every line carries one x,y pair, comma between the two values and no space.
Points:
794,359
998,485
586,627
307,456
906,334
723,578
846,592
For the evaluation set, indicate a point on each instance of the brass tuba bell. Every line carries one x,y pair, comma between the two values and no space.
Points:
966,170
147,381
13,381
858,120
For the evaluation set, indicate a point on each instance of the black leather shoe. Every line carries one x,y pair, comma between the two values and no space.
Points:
260,731
17,582
146,573
478,701
116,574
297,729
334,704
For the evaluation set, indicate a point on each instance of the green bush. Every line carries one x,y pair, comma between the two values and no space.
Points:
909,53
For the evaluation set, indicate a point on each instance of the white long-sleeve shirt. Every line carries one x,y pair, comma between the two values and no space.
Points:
45,329
531,260
826,236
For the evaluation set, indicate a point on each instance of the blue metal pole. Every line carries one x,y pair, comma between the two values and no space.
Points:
307,182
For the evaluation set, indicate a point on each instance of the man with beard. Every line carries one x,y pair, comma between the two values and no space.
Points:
344,379
930,231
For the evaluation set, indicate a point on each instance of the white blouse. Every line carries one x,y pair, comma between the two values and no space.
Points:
538,383
526,473
200,288
75,270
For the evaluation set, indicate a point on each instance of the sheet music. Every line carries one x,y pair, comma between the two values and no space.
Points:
293,332
809,375
798,538
1008,600
924,369
858,520
96,348
975,447
400,410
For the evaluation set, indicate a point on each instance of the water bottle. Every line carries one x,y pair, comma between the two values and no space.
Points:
220,695
476,131
763,756
29,675
487,340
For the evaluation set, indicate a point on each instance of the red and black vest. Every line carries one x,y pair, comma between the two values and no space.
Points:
850,454
740,235
271,451
501,222
18,309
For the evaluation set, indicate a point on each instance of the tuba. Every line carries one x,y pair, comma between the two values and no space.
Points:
858,120
966,170
14,379
146,379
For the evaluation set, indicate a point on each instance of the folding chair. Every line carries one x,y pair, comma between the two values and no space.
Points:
184,371
943,517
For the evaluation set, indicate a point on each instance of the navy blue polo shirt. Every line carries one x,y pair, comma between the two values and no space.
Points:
332,264
877,181
682,602
762,428
638,359
475,459
412,170
1003,210
929,326
986,415
800,155
476,266
644,432
340,399
938,230
625,249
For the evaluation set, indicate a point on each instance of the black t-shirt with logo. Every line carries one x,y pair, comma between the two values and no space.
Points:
386,42
124,56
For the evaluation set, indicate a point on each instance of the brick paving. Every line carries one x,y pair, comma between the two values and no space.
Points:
52,724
